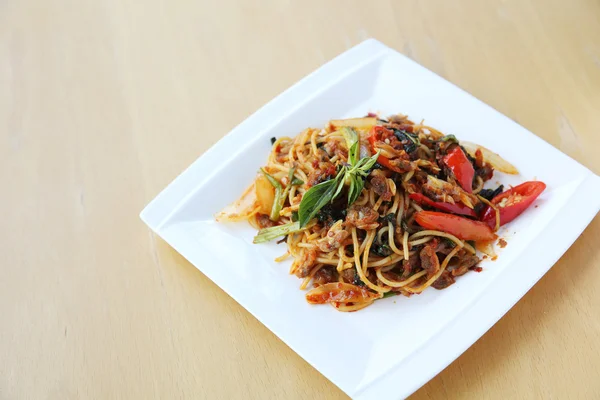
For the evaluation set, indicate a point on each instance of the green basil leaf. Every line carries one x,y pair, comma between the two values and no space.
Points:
297,182
341,180
353,154
405,136
390,294
352,188
352,142
268,234
364,165
350,135
357,187
368,164
448,138
314,199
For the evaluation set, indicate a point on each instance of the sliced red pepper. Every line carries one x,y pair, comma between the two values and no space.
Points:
460,227
512,202
461,167
456,208
374,137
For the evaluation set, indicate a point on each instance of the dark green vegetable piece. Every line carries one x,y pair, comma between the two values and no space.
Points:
489,194
449,138
316,198
382,250
409,140
268,234
389,218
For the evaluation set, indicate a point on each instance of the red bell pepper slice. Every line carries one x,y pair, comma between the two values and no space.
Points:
460,227
512,202
376,135
461,167
448,207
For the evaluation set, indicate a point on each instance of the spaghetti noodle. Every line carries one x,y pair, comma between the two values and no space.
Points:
368,207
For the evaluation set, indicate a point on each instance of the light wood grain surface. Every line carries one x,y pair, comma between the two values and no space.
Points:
103,103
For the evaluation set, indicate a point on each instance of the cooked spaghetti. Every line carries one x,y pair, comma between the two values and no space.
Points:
372,207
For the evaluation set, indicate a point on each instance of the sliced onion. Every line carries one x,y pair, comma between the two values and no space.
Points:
487,248
244,207
490,157
265,194
365,123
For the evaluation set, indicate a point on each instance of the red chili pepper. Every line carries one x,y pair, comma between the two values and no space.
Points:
460,227
512,202
461,167
376,135
448,207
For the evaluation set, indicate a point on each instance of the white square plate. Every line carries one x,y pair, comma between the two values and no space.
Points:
393,347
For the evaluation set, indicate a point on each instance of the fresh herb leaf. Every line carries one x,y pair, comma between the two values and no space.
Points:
382,250
277,203
357,281
352,142
356,188
331,213
314,199
294,216
353,154
364,165
409,140
341,180
297,182
352,189
268,234
390,294
326,192
448,138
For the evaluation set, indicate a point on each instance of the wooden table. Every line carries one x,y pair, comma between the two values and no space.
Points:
103,103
